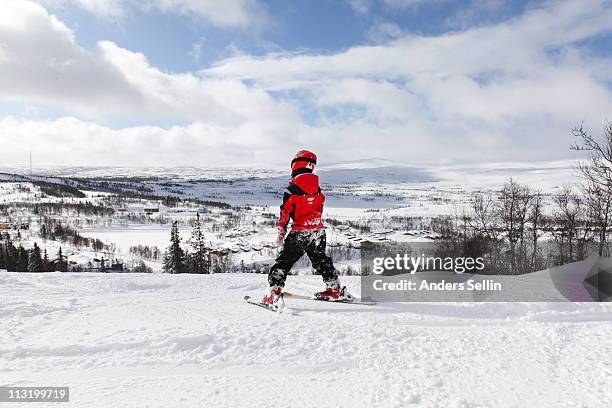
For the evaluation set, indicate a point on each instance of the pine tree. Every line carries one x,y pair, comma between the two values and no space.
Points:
35,262
11,255
23,257
2,256
199,262
61,265
174,258
46,260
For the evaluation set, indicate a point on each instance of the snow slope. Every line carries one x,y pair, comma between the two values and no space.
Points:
131,340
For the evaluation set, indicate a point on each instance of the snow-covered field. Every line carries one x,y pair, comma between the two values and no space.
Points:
153,340
152,235
410,189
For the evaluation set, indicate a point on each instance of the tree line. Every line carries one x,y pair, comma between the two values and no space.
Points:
50,229
86,208
146,251
199,258
506,228
19,259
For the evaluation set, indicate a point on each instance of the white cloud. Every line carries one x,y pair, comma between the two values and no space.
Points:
384,31
225,13
44,64
69,140
197,49
403,4
105,8
359,6
72,142
236,13
496,92
509,73
478,10
519,47
101,8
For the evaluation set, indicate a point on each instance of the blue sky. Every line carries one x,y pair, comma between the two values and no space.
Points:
249,81
298,25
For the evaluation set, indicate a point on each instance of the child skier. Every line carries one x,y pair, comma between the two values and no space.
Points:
303,203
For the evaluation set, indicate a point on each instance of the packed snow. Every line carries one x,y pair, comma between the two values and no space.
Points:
157,340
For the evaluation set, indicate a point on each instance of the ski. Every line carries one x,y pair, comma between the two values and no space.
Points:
275,309
282,307
346,302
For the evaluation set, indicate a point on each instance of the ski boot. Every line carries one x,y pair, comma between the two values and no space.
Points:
274,299
335,293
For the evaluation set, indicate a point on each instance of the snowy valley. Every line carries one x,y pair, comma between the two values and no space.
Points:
156,340
126,214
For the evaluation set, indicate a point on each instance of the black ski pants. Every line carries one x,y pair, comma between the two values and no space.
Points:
313,243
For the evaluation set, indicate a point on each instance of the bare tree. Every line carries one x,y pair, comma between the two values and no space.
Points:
485,216
484,228
596,170
514,203
599,204
569,211
536,220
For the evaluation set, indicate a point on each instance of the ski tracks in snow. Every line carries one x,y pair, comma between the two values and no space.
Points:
159,340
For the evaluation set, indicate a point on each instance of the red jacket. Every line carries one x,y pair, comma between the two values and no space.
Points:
303,203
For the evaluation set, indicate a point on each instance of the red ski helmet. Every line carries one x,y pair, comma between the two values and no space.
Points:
304,160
